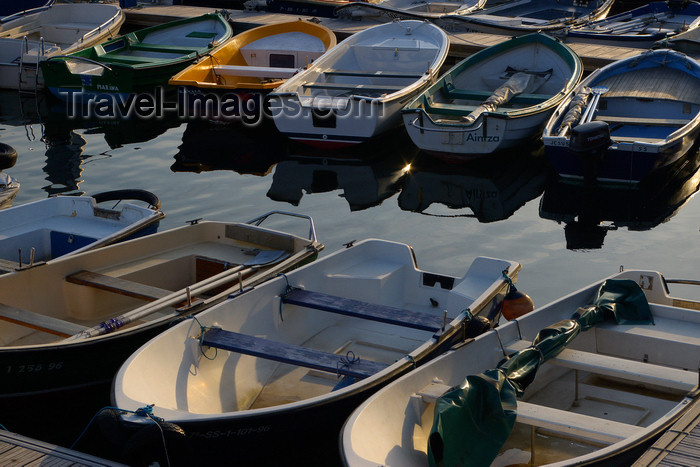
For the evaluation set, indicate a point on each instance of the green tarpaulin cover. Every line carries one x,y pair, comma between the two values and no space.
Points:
474,420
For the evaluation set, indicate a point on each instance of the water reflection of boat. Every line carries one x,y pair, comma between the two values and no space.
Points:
215,146
493,188
589,212
363,183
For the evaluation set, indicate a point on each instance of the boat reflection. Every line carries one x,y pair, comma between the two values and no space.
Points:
492,188
366,175
589,212
244,149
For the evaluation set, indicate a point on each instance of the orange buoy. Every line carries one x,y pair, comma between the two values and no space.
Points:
516,304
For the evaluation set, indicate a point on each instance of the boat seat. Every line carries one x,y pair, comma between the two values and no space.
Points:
374,74
643,120
477,95
354,87
447,109
289,353
621,368
370,311
177,49
254,71
118,285
109,59
39,322
574,424
552,419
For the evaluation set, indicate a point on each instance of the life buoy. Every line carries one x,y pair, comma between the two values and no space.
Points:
134,194
8,156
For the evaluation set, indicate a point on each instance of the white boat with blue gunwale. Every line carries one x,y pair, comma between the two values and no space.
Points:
495,99
268,365
516,17
590,379
641,27
627,119
46,229
408,9
356,90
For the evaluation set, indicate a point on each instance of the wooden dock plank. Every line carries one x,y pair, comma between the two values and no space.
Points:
462,44
19,450
680,445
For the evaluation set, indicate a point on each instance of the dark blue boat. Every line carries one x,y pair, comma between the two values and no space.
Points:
640,27
627,119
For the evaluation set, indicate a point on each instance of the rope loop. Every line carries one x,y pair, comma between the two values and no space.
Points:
347,361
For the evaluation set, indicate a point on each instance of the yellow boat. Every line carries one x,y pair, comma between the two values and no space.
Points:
261,58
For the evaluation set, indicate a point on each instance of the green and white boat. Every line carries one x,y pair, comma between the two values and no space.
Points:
495,99
138,61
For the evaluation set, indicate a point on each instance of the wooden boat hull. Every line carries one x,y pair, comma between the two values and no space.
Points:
517,18
440,122
271,402
355,91
131,64
639,28
407,10
649,128
55,30
638,367
46,345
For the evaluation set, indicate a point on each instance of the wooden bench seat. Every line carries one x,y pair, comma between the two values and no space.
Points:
118,285
177,49
477,95
562,421
358,309
354,87
375,74
574,424
254,71
289,353
621,368
39,322
643,120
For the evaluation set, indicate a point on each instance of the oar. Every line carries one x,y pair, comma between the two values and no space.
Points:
590,110
263,258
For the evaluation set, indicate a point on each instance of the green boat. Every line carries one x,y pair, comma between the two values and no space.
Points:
138,61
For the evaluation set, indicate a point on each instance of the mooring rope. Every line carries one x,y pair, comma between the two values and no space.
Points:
146,411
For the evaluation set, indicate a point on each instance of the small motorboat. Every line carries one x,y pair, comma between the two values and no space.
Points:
356,90
261,58
496,99
284,364
9,186
512,18
138,61
592,378
46,229
641,27
408,9
30,37
68,325
613,129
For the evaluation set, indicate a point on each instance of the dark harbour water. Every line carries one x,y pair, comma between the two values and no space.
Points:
511,206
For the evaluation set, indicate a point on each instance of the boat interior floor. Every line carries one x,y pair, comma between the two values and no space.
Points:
291,383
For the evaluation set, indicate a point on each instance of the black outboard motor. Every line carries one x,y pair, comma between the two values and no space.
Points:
588,142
